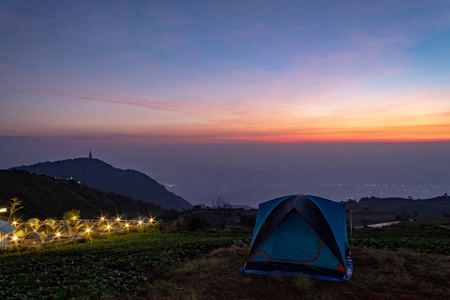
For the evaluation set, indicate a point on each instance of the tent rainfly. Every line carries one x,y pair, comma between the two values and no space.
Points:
300,235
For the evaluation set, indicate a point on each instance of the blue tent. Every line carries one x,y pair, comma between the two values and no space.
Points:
300,235
5,229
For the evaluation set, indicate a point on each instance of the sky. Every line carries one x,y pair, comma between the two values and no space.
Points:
168,86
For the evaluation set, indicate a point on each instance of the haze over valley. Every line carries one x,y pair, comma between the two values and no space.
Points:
251,174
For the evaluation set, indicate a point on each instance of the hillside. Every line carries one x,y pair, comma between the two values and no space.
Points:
45,197
434,207
98,174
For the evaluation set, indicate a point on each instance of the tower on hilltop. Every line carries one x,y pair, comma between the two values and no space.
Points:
90,154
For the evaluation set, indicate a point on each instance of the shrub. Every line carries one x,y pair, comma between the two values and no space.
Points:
196,222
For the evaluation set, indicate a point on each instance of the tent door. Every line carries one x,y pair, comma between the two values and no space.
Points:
296,241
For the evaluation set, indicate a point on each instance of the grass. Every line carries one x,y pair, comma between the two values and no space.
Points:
425,236
154,265
378,274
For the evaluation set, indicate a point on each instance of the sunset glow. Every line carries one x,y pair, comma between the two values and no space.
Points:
161,73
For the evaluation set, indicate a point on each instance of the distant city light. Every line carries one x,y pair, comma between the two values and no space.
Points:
4,209
118,219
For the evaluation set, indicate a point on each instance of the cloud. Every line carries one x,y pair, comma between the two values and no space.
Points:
146,103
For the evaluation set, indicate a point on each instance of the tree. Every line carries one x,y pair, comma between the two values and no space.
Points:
223,210
196,222
14,207
197,207
72,214
178,225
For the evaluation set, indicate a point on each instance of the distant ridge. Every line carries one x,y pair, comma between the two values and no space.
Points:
433,207
96,173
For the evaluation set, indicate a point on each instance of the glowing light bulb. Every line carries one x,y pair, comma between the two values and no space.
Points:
14,238
102,218
87,230
118,219
58,234
140,222
108,227
151,220
126,225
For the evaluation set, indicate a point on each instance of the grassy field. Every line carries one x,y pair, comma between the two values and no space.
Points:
154,265
424,235
103,267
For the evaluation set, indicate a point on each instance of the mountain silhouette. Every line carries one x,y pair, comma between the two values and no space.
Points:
100,175
45,197
433,207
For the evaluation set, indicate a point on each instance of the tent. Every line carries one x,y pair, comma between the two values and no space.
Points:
33,238
50,222
102,225
23,229
81,226
64,222
300,235
46,230
64,231
5,229
34,222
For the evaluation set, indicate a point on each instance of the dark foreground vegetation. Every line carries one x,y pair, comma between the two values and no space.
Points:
204,265
104,266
